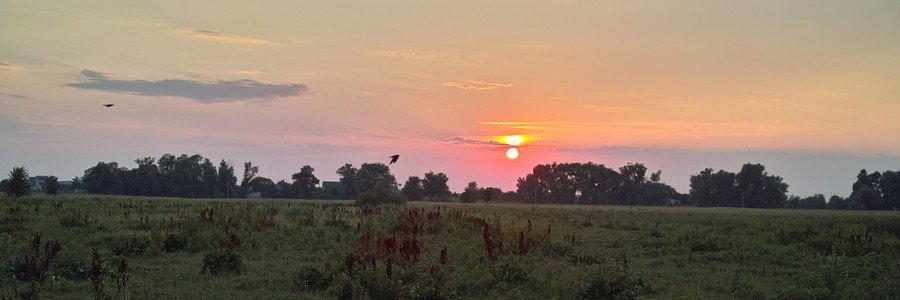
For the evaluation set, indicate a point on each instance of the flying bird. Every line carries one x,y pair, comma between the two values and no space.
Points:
108,105
394,158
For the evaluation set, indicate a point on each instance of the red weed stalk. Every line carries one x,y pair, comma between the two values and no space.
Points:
488,242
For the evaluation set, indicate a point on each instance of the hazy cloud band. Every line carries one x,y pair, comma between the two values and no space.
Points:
206,92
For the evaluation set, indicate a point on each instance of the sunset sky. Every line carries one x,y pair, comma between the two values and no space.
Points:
811,89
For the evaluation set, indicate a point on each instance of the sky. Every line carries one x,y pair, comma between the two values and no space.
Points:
810,89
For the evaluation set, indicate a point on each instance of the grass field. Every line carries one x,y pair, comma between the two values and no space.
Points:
186,248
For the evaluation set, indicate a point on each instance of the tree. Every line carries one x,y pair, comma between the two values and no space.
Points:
837,202
3,185
656,177
752,187
348,178
145,179
471,193
435,185
759,189
264,186
51,186
382,193
372,174
864,198
249,172
889,184
490,193
104,178
874,191
413,189
227,181
816,201
209,180
305,182
17,183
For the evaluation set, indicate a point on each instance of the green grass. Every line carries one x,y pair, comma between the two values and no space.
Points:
291,249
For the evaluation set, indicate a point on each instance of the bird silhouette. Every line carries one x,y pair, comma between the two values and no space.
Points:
108,105
394,158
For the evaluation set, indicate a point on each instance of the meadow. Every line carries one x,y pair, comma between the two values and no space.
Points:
85,246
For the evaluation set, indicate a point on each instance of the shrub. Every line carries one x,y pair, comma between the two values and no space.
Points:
380,194
311,278
613,285
36,262
174,243
222,262
128,245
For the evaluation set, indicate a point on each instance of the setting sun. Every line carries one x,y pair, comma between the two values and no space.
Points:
512,153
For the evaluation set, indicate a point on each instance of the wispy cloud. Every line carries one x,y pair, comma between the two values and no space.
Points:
435,56
397,53
203,91
690,129
15,96
217,36
477,85
9,67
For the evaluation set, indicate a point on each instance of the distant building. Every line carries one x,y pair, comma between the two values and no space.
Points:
254,195
672,202
38,182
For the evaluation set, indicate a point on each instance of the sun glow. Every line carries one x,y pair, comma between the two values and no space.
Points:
512,140
512,153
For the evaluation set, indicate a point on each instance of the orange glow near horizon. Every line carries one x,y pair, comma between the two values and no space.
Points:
512,140
512,153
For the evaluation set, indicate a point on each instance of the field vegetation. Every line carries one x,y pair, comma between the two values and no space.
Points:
89,246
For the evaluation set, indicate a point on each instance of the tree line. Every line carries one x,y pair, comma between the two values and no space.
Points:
193,176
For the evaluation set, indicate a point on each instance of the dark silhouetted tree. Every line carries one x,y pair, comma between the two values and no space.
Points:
816,201
489,194
889,185
435,185
17,183
227,182
51,186
471,193
413,189
209,180
371,174
868,191
864,198
264,186
249,173
104,178
837,202
305,182
145,179
348,178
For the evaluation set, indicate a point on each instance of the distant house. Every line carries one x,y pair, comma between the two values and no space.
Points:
254,195
672,202
37,182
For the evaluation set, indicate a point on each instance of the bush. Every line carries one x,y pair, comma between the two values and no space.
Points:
380,194
174,243
128,245
613,285
312,279
222,262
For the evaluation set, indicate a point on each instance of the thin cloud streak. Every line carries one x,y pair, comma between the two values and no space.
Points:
203,91
477,85
10,67
16,96
217,36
